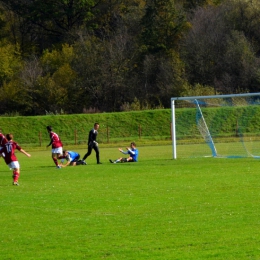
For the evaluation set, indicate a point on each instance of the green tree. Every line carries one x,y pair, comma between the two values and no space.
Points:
43,24
59,79
240,67
87,64
163,25
245,16
218,53
11,92
192,4
103,67
10,62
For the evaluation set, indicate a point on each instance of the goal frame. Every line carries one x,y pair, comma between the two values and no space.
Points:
173,99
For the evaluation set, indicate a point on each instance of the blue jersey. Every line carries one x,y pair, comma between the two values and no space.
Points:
133,153
72,156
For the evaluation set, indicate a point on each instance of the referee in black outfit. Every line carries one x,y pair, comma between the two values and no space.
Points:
92,143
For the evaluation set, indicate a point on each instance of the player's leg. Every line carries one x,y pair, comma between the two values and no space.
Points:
97,154
16,175
88,153
117,160
120,160
76,161
15,166
81,162
55,157
56,154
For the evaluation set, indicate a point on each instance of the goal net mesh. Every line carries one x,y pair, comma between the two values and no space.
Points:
218,127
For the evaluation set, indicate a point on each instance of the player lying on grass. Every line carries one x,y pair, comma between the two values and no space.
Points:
9,156
133,154
72,159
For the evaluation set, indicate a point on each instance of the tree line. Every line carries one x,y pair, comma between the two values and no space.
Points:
86,56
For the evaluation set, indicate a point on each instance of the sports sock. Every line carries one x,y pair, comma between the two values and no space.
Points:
15,176
55,161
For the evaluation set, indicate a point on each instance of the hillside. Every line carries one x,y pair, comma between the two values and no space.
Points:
74,128
139,126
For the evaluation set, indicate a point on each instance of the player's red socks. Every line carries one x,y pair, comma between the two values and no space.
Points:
55,161
15,176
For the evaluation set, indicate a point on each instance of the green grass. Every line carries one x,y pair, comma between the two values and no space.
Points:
158,208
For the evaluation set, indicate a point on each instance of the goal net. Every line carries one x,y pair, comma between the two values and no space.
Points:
216,126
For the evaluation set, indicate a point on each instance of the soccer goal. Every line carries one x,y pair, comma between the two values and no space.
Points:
216,126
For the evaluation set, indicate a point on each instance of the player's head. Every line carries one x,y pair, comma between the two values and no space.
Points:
9,137
96,126
133,144
49,128
65,152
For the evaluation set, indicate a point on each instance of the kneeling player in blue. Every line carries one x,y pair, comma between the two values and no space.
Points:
133,154
72,159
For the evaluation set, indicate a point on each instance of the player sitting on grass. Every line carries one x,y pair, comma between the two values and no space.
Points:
133,154
72,159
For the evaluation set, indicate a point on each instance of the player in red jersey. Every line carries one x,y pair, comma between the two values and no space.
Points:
56,146
10,159
3,141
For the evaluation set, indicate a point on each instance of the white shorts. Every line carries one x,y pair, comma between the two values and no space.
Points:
14,165
57,150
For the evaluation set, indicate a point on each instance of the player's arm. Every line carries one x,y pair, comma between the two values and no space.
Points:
49,143
92,137
131,151
27,154
68,158
122,151
65,165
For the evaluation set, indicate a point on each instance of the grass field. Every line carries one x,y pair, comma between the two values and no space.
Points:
158,208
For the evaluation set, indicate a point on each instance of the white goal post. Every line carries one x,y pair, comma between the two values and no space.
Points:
217,107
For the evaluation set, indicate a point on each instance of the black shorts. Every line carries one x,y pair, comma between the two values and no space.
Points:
76,159
125,160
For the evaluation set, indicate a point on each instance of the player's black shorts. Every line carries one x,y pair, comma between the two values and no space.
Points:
125,160
76,159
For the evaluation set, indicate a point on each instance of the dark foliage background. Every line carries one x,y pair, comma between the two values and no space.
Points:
88,56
